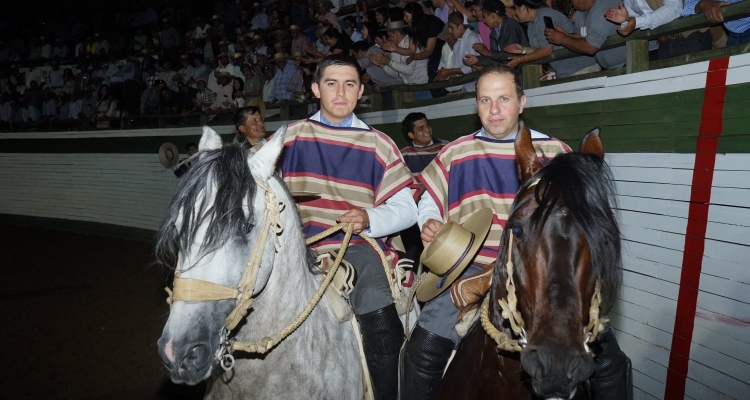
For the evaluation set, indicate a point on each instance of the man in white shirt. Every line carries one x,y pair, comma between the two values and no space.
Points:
46,50
465,41
56,77
61,50
167,74
413,73
638,14
213,84
260,19
269,74
446,57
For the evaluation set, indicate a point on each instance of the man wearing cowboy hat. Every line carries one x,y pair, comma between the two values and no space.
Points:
365,183
285,72
260,19
299,41
472,173
238,59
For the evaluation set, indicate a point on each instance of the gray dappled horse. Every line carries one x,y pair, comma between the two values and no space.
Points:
212,224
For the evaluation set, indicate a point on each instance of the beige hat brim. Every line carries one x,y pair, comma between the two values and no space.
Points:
478,223
168,155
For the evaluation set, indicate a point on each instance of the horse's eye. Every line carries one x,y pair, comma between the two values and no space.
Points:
246,228
517,230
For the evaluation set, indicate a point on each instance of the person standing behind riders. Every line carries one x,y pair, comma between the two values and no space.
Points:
473,172
251,130
360,177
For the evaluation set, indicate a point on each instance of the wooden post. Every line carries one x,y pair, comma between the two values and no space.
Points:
284,112
531,75
636,56
398,99
376,101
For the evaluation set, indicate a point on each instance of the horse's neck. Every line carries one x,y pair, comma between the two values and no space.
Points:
289,287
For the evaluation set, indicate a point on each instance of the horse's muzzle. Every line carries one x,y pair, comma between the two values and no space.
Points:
556,370
187,363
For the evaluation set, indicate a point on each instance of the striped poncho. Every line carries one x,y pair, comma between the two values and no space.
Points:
477,172
349,168
418,158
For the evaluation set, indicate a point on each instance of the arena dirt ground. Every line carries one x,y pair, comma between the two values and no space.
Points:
81,317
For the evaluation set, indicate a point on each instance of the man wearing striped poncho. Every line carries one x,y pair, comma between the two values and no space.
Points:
474,172
357,175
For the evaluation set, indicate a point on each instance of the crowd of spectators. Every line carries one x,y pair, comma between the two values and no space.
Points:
180,63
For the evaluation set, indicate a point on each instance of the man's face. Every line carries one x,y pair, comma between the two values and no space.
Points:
254,128
477,13
393,37
192,150
223,60
456,31
331,41
492,20
295,33
165,94
280,62
338,91
360,54
498,105
422,133
201,85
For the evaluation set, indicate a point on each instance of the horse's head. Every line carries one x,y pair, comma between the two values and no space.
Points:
565,238
210,230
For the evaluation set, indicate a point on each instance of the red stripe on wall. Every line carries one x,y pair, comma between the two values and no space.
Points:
695,235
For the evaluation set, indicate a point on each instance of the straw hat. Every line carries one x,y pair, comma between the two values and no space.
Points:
294,27
451,251
394,25
278,56
237,55
168,155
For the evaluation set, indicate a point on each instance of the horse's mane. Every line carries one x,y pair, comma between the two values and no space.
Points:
227,170
583,184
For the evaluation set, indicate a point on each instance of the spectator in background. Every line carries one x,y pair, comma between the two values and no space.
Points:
33,96
299,40
75,108
284,73
205,96
323,9
102,44
638,14
224,95
260,45
253,84
591,29
49,104
150,98
60,50
348,29
56,77
260,19
170,37
339,43
397,65
738,31
103,100
446,58
169,101
69,81
269,74
533,13
238,59
46,48
249,124
442,10
422,147
191,148
362,51
504,31
424,31
199,71
465,40
217,26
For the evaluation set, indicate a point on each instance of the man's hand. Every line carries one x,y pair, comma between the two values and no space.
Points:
513,48
380,60
442,75
470,60
616,15
628,29
514,61
359,217
409,59
388,46
481,49
555,36
712,10
429,230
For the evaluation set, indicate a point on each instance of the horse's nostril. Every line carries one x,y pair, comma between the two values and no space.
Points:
197,356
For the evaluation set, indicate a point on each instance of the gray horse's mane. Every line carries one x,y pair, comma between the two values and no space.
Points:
227,169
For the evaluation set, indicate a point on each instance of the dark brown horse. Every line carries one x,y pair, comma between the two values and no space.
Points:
565,239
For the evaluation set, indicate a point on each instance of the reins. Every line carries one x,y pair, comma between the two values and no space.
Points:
510,312
196,290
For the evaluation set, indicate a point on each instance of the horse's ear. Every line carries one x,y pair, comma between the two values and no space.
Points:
263,163
210,140
592,144
527,161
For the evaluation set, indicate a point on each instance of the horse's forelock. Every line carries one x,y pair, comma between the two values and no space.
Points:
583,184
222,173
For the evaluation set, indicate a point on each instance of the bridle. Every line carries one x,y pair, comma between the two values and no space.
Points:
197,290
510,312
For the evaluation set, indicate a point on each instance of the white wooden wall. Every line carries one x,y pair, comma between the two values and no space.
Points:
131,190
654,193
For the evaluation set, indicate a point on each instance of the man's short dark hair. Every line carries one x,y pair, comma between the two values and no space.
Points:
332,33
407,125
339,60
456,17
501,69
360,46
240,117
189,145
